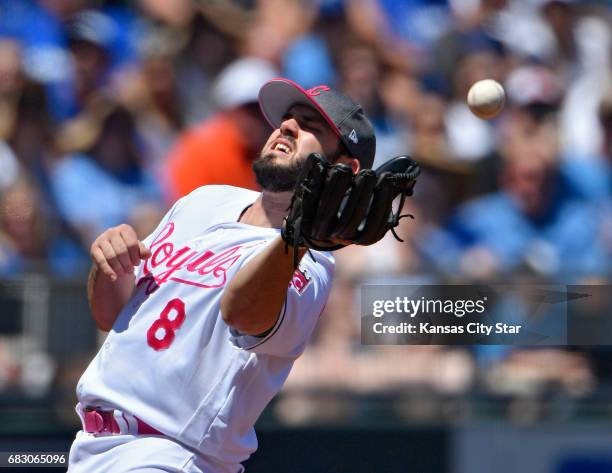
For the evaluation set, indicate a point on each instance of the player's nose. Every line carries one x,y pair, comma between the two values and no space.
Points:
290,127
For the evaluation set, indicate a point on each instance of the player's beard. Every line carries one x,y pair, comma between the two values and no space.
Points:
273,177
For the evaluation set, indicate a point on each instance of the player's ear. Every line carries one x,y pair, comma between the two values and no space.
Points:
342,155
352,162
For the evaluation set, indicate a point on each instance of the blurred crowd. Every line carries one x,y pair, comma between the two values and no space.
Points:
110,110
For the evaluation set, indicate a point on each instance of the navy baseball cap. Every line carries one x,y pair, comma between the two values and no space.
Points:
344,116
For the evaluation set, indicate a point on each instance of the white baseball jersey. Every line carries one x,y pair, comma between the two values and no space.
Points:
172,361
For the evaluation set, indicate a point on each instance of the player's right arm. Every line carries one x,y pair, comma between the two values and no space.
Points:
111,282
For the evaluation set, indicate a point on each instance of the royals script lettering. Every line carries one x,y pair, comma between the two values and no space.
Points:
200,268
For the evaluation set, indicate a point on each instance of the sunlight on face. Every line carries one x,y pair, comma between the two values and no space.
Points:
303,131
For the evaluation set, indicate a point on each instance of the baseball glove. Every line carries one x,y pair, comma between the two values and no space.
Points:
332,204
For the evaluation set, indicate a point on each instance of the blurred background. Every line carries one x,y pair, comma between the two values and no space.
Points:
110,110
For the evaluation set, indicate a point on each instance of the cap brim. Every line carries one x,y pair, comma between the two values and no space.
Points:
278,95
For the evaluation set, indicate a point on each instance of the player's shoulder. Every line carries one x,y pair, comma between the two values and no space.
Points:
213,202
219,191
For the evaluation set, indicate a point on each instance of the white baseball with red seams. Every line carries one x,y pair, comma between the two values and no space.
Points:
486,98
173,362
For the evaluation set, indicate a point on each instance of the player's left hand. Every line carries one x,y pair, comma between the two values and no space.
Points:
331,207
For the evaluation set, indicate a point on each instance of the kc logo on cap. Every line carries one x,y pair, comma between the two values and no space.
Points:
317,90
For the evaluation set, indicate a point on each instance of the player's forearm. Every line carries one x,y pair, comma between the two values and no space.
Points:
253,299
107,297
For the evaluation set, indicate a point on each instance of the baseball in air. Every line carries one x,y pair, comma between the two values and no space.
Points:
486,98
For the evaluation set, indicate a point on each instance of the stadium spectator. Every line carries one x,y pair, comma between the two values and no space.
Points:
24,119
90,35
151,93
101,169
32,240
222,148
605,118
470,138
208,48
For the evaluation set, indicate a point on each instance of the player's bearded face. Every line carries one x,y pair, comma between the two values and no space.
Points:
276,175
302,132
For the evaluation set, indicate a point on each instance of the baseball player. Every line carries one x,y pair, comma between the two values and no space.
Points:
207,314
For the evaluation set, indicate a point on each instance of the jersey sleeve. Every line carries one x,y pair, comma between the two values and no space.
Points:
306,297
